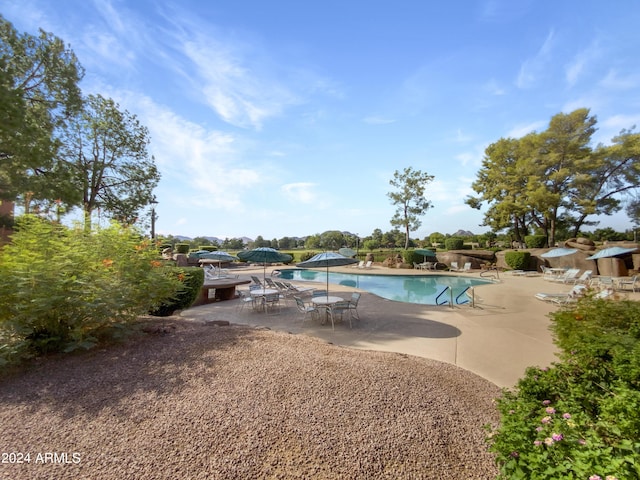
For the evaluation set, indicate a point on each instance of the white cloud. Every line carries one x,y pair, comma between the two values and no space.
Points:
521,130
581,62
301,192
533,67
615,80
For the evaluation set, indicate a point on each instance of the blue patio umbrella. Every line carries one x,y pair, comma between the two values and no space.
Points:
265,255
327,259
559,252
218,255
611,252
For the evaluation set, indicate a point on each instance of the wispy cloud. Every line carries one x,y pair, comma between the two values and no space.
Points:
519,131
199,158
581,62
616,80
533,67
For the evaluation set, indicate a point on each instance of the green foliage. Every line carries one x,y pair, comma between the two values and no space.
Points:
409,199
581,417
518,260
182,248
453,243
535,241
62,288
208,248
192,279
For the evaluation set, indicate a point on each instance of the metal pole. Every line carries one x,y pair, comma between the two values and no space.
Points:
153,219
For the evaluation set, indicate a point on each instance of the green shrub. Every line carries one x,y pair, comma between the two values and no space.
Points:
192,279
411,256
208,248
63,288
453,243
535,241
182,248
518,260
581,417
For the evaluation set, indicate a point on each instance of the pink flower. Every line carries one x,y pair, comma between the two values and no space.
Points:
546,402
546,419
515,454
557,437
537,443
566,416
539,429
550,410
595,477
549,441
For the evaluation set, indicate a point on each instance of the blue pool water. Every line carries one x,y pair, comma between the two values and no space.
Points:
423,289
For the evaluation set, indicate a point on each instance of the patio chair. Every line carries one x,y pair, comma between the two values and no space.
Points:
256,280
339,308
245,298
270,283
305,309
360,264
454,267
271,303
353,305
466,267
297,289
368,265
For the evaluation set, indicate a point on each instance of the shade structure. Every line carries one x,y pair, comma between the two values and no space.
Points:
559,252
264,255
611,252
425,252
347,252
326,260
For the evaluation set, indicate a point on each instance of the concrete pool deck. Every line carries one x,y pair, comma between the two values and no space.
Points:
506,332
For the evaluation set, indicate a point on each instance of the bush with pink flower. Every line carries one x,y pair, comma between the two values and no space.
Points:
580,418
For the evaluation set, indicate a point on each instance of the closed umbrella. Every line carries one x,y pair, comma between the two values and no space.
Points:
265,255
327,259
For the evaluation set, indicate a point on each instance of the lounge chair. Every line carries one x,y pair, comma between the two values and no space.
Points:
256,280
454,267
573,295
632,283
569,276
466,267
367,265
584,279
360,264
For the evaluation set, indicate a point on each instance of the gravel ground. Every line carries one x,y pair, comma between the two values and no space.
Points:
243,403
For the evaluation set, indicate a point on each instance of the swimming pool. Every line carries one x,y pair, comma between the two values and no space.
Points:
423,289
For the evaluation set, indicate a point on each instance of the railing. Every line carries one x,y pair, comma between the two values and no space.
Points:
458,302
457,299
450,302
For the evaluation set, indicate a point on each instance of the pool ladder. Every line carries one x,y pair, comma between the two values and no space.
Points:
457,299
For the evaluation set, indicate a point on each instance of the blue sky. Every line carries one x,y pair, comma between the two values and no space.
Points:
288,118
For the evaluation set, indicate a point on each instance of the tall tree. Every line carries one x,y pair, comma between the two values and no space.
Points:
409,198
564,152
501,181
39,91
105,151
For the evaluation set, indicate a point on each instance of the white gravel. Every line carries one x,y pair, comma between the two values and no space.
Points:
242,403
